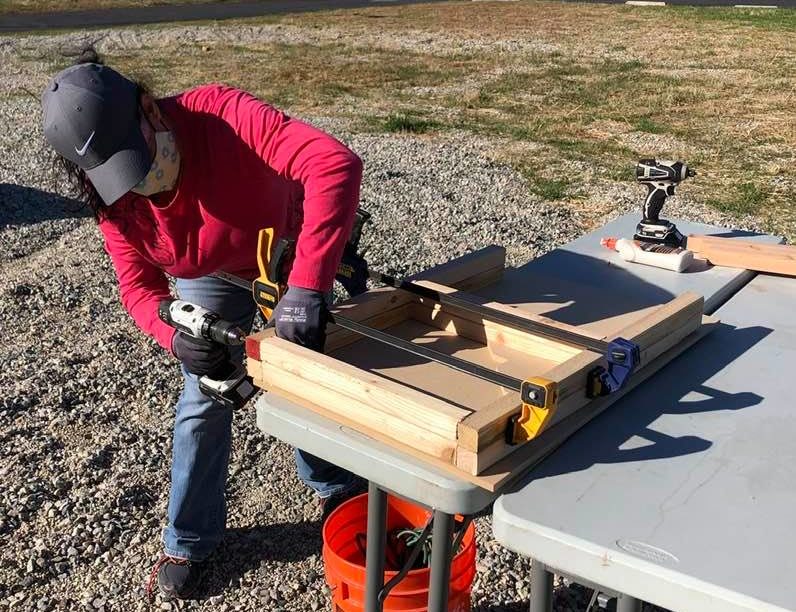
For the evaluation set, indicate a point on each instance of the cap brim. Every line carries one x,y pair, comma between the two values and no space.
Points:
124,169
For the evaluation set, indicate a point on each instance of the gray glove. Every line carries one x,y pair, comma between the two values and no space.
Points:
300,317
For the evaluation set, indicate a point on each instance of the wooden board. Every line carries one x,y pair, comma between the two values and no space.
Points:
528,455
451,416
745,254
481,434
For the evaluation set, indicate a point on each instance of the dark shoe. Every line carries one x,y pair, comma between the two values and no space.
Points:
176,578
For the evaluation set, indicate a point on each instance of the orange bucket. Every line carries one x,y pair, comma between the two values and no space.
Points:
344,560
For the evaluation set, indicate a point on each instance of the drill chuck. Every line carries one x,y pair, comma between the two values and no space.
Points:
223,332
229,384
200,322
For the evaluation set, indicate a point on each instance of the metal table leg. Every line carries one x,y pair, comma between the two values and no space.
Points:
442,545
541,588
625,603
376,547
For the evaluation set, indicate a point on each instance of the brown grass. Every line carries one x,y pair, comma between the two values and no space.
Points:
555,86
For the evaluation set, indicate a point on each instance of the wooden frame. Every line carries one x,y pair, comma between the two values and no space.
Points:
450,417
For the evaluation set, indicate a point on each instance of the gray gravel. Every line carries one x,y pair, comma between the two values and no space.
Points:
86,408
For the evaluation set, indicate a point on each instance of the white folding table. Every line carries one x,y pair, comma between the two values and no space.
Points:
570,276
683,493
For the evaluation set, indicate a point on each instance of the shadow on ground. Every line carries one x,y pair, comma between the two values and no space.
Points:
245,548
20,205
31,219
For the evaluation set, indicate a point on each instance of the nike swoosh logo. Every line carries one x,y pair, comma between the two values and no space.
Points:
82,152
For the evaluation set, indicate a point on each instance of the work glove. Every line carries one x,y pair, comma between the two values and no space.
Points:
301,316
199,356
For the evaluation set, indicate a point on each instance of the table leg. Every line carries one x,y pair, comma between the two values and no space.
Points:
441,554
541,588
625,603
376,547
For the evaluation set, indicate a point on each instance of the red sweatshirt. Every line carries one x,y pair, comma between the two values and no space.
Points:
244,166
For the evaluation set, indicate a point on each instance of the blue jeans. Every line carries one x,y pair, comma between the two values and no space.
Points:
203,438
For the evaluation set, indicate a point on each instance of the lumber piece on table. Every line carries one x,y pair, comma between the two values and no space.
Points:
527,455
424,442
494,335
437,451
481,435
381,308
745,254
365,396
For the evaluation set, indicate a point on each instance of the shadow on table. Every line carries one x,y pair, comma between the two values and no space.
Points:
601,441
21,205
246,548
575,303
580,299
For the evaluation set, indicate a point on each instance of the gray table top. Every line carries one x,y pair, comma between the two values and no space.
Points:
425,484
683,492
578,268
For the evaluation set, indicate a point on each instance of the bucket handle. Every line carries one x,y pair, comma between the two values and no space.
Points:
418,546
461,527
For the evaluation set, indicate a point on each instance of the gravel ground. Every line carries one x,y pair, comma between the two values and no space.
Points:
86,412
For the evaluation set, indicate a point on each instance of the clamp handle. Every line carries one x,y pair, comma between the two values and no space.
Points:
269,287
539,402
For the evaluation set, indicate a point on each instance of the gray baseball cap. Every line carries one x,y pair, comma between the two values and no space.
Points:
90,115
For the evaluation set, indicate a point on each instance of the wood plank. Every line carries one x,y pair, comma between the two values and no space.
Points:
528,455
435,379
494,335
481,435
374,396
497,306
426,443
745,254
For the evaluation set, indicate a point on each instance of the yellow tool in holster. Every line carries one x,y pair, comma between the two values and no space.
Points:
272,256
539,402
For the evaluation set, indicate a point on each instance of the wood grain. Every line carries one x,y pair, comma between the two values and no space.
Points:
527,456
745,254
482,434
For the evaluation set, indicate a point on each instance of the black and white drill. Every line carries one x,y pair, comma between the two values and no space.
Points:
229,384
661,178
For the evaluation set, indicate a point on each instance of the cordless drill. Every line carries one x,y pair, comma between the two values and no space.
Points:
229,384
661,178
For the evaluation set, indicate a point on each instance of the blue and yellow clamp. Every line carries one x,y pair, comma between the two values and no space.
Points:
540,395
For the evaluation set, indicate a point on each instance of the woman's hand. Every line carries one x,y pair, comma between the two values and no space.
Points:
300,317
199,356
